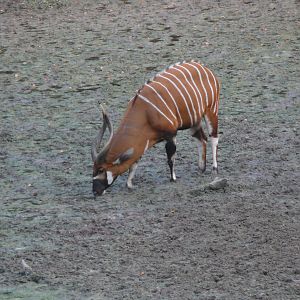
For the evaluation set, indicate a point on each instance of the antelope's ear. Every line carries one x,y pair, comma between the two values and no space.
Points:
124,156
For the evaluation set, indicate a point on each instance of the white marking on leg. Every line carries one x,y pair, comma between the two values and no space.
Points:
155,107
214,144
171,96
132,171
109,177
182,96
173,172
173,160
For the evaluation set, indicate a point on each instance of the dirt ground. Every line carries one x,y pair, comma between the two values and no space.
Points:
162,240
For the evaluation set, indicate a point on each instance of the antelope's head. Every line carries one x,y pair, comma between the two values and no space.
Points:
102,177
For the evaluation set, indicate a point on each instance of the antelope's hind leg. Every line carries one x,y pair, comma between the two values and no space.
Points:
201,143
171,150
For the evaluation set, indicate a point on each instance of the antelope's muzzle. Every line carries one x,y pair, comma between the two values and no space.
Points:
98,187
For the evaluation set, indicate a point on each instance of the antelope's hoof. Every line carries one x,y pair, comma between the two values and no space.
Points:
172,179
202,166
130,187
215,171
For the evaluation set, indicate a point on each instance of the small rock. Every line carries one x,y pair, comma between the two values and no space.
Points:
218,183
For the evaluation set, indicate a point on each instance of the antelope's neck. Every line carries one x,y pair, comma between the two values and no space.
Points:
128,138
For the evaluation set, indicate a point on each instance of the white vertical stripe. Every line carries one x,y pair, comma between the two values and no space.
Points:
159,75
200,77
146,147
213,76
217,104
215,100
171,96
155,107
215,107
216,95
191,101
212,92
218,99
197,99
160,97
191,77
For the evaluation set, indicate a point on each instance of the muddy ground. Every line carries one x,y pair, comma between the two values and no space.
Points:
162,240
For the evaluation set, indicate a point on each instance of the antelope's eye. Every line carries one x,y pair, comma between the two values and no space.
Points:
101,175
99,171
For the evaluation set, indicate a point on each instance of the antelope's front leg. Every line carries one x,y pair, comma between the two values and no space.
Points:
131,175
171,150
214,145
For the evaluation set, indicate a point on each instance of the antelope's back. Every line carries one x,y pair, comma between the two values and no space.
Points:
179,96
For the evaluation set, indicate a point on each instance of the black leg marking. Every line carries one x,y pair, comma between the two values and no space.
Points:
171,150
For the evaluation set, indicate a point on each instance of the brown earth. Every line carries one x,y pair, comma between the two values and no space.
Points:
162,240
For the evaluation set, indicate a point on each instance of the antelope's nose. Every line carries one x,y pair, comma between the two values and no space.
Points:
98,188
98,194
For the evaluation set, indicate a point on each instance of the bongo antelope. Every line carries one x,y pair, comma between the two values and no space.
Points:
175,99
